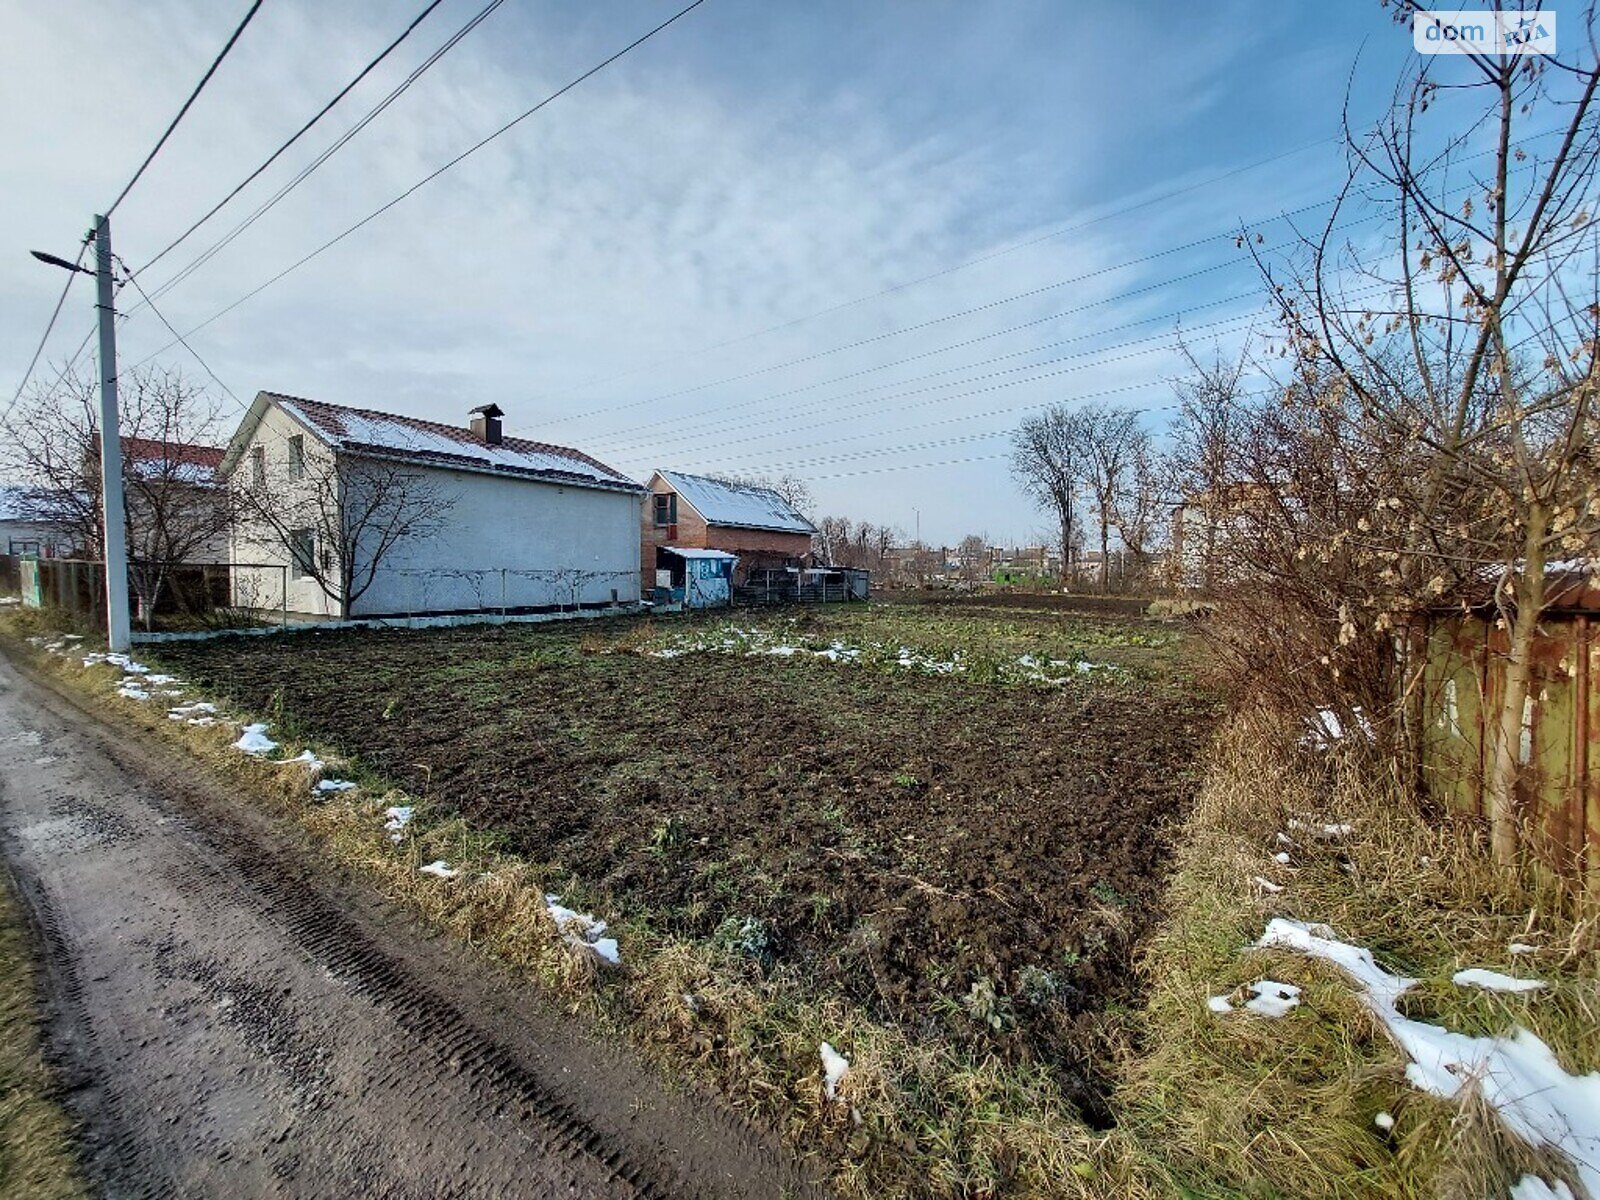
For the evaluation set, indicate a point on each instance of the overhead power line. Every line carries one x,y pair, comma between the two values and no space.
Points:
55,315
431,176
1233,233
338,144
832,407
295,137
1060,231
187,104
130,277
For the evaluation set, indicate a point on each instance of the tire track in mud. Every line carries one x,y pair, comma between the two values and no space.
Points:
339,947
611,1131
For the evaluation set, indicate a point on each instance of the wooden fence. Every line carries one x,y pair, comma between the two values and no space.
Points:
810,587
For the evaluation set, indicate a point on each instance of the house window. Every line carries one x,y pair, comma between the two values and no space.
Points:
25,548
302,553
297,457
666,509
258,467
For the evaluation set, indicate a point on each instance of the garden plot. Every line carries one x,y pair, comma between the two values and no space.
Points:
786,640
970,861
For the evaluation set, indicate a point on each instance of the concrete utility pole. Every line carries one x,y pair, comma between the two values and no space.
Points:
118,631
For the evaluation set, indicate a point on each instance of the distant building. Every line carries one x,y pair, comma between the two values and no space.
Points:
1202,527
35,524
176,485
695,512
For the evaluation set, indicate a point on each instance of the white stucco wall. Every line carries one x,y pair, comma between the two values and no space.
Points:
543,543
255,542
506,541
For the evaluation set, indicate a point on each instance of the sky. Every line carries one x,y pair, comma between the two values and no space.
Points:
854,241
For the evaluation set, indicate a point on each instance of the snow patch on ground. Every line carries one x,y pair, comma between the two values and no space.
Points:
1516,1074
835,1067
327,786
1383,1121
305,756
1531,1187
758,642
398,817
1326,729
1493,981
254,740
1273,999
1268,997
129,689
582,929
440,868
198,713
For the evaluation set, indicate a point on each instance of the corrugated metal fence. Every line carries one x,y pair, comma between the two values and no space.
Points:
1559,787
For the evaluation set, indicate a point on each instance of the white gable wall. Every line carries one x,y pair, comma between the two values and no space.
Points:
254,542
542,543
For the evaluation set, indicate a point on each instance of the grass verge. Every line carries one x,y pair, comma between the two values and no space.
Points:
1244,1105
36,1144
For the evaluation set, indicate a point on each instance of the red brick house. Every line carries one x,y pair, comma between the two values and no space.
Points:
694,512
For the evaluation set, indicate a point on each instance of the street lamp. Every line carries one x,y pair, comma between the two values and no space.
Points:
59,262
118,634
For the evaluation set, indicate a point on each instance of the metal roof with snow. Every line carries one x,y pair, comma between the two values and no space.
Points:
696,552
740,506
38,505
362,431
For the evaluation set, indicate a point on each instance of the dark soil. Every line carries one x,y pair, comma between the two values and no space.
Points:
971,861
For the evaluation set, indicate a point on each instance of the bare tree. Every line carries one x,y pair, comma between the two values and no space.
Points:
791,489
175,509
343,518
1049,458
1463,352
973,551
831,542
1206,436
857,544
1112,439
1140,505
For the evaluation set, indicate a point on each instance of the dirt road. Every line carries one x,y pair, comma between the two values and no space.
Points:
232,1020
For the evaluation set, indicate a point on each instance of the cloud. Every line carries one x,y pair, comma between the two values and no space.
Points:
751,165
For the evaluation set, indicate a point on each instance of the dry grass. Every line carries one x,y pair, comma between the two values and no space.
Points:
36,1150
1245,1105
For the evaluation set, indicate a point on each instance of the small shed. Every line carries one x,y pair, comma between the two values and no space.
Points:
693,577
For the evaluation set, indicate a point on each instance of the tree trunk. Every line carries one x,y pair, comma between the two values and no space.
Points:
1105,557
1066,551
1507,761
